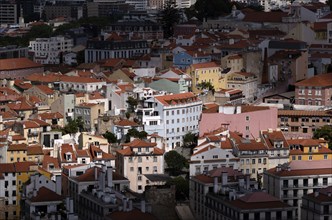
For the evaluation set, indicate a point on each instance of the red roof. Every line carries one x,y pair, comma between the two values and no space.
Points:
265,17
17,147
50,115
181,98
23,166
46,195
17,63
139,143
321,80
45,89
126,122
204,65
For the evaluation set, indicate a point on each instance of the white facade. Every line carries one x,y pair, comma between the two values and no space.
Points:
49,50
248,84
80,85
172,121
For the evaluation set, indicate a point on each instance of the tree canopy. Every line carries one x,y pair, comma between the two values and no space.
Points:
170,16
182,187
73,126
111,138
175,161
190,140
326,133
132,103
136,134
212,8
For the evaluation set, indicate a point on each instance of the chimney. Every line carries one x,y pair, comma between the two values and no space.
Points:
110,176
102,180
316,193
58,179
143,206
247,181
224,178
96,173
215,184
265,72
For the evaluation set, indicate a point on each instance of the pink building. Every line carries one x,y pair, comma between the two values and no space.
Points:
248,120
316,90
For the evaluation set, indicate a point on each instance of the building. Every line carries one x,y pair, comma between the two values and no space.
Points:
142,29
50,50
316,90
309,149
205,73
302,123
13,51
210,193
317,205
137,161
246,82
89,113
44,93
80,84
121,128
291,181
171,116
18,68
119,48
184,59
247,120
8,13
229,96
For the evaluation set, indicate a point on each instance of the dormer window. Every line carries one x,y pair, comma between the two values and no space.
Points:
68,156
51,166
99,154
278,144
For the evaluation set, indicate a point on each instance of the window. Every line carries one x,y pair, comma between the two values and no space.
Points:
153,123
139,178
253,161
130,159
139,149
310,157
299,157
293,157
131,169
253,171
139,187
147,169
155,159
215,156
247,128
14,182
247,118
139,159
325,156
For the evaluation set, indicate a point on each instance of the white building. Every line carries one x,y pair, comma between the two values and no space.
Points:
246,82
293,180
80,84
50,50
171,116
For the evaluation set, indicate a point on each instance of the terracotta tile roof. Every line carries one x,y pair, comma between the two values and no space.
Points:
82,153
258,200
105,156
139,143
23,166
320,26
324,195
7,168
126,152
50,160
254,34
30,124
204,65
17,63
50,115
88,175
41,123
303,113
89,105
67,148
22,85
35,150
207,148
304,168
79,79
272,136
45,89
126,122
113,62
21,105
210,108
96,95
46,195
250,145
134,214
18,137
226,144
45,78
17,147
9,114
208,178
181,98
251,108
197,53
304,142
158,151
321,80
265,17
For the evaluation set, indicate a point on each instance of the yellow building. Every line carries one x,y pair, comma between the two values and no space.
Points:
23,172
16,153
309,149
205,73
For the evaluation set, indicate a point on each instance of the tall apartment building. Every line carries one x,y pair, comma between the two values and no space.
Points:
50,50
317,205
291,181
171,116
138,161
8,13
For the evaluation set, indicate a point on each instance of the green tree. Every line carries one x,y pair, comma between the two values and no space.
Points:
111,138
175,161
40,31
190,140
170,16
326,133
73,126
136,134
181,186
132,103
212,8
